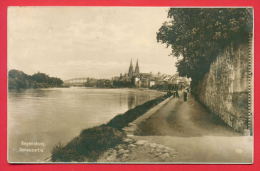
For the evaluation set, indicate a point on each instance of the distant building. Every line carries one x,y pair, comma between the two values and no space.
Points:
131,70
134,78
138,79
137,72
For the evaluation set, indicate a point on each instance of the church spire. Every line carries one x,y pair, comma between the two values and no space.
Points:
137,72
131,70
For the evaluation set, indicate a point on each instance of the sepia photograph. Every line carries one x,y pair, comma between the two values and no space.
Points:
130,85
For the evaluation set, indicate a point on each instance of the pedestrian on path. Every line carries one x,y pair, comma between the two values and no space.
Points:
185,95
176,93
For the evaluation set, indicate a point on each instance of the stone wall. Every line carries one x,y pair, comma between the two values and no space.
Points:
224,89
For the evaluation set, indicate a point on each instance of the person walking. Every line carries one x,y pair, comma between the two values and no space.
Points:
176,92
185,95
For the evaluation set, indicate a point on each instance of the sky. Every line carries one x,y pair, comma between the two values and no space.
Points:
99,42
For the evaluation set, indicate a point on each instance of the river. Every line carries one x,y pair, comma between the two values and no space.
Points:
38,119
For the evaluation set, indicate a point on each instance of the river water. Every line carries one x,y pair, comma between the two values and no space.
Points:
38,119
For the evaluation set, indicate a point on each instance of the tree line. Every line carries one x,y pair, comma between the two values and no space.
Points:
19,80
198,35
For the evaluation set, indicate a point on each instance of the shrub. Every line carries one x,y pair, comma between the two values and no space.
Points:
88,145
64,154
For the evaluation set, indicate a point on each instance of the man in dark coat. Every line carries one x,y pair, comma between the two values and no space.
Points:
185,95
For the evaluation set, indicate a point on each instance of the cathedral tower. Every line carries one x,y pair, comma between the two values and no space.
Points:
131,70
137,72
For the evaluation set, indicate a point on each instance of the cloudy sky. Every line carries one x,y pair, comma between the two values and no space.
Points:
70,42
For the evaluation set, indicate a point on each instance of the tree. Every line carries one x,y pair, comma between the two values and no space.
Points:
198,35
19,80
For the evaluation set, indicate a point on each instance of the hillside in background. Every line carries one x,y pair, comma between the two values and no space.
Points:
19,80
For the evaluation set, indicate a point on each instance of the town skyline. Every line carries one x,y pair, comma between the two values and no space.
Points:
126,72
86,42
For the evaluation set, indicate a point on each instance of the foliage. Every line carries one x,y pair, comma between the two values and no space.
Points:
198,35
19,80
122,83
88,145
43,78
104,83
91,83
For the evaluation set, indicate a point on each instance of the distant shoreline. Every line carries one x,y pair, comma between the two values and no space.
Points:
134,88
20,80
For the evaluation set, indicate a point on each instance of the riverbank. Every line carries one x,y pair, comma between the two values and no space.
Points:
181,132
57,115
93,142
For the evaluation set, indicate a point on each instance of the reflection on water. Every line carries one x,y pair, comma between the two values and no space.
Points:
131,100
40,118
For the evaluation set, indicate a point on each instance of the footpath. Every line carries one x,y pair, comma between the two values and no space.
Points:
181,132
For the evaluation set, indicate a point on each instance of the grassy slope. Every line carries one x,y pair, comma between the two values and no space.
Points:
94,141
